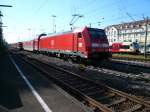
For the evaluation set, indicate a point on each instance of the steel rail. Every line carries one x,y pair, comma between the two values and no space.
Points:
89,101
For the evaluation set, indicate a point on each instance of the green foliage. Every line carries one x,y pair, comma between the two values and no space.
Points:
132,57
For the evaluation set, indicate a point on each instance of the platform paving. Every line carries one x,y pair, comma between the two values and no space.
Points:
15,95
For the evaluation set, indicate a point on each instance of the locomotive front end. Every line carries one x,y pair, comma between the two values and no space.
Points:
99,48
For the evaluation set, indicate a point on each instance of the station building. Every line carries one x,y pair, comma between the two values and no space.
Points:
131,31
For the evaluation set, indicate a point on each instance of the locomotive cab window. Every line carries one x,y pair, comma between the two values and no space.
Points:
97,33
125,47
79,35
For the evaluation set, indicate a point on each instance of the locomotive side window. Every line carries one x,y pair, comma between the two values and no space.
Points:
79,35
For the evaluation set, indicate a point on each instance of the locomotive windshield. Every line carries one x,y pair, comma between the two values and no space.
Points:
125,47
135,45
97,33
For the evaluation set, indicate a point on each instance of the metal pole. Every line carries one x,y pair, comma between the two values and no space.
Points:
99,23
145,54
90,25
54,26
29,33
1,31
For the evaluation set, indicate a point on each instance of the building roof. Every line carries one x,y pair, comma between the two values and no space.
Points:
130,25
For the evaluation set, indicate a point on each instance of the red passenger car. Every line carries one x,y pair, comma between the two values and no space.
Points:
125,47
28,45
17,45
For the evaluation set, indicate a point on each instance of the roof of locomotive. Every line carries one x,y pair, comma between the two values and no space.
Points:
65,32
76,30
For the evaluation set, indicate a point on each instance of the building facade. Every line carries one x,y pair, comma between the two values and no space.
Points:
132,31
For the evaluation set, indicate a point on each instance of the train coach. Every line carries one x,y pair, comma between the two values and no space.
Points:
125,47
17,45
83,43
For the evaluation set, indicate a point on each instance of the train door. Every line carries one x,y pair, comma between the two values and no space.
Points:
78,42
35,45
75,42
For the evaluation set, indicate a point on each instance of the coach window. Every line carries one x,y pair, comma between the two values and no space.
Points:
79,35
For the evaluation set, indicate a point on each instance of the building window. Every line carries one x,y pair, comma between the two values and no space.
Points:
142,33
111,40
114,33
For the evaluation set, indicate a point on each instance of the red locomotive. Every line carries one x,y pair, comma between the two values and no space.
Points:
83,43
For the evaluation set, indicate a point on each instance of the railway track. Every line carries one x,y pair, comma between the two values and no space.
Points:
124,67
98,96
132,63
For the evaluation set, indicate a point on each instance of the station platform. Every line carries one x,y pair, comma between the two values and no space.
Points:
17,96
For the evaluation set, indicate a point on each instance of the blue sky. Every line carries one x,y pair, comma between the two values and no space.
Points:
30,17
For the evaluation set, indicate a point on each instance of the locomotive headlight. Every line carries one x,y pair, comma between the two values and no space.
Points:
85,56
95,45
103,45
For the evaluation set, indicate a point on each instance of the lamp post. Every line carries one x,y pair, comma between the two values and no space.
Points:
145,43
54,25
1,30
99,23
29,33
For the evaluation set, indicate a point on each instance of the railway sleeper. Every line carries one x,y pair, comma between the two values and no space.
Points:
94,93
83,85
77,82
116,102
105,97
83,88
68,79
60,76
65,76
134,108
88,89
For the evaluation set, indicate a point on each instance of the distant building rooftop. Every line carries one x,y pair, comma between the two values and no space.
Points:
129,25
